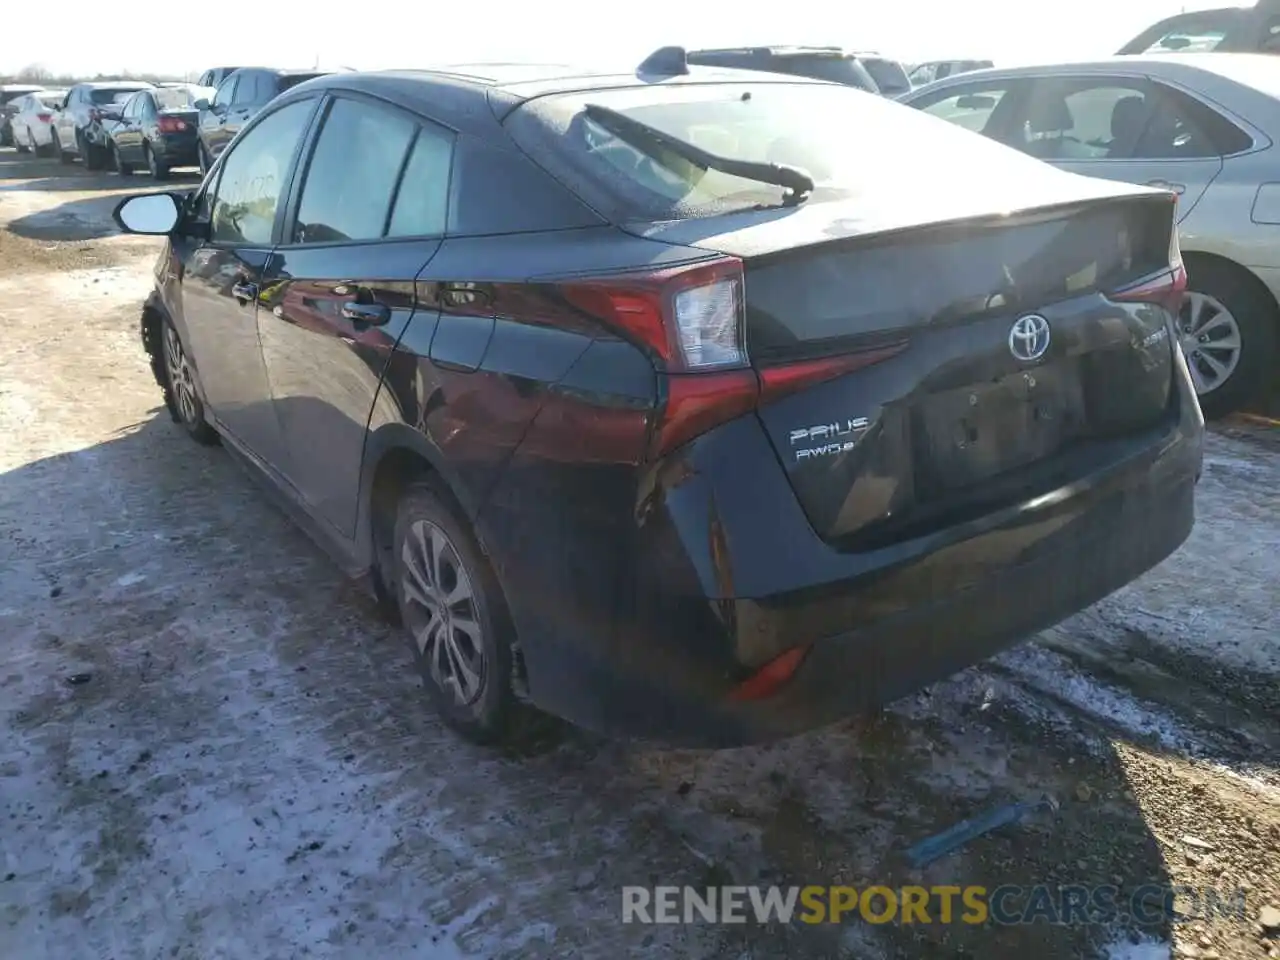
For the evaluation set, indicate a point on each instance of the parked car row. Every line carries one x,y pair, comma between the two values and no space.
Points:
802,424
127,125
1203,125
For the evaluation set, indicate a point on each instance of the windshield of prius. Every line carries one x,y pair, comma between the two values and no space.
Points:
847,140
174,98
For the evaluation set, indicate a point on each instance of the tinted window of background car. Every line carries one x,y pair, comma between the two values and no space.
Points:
254,174
888,74
971,108
422,201
286,83
226,91
105,95
352,174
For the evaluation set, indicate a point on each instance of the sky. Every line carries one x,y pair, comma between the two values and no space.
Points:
379,34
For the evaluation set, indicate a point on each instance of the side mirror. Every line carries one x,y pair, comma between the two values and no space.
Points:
152,214
202,104
975,101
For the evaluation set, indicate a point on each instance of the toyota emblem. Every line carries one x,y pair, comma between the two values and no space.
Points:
1029,337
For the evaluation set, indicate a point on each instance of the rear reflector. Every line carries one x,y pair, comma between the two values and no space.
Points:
766,681
1166,290
778,382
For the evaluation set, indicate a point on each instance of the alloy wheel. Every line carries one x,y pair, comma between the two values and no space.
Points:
441,611
1210,339
180,380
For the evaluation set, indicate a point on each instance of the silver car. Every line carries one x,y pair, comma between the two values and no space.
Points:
1203,125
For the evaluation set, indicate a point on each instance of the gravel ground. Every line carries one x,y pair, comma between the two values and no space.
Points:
211,747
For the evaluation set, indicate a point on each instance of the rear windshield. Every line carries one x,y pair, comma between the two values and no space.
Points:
174,98
847,140
888,75
51,99
112,94
296,78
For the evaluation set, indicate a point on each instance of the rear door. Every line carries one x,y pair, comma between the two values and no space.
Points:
1124,128
128,132
339,292
255,89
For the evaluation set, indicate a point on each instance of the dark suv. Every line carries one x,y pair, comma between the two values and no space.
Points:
650,401
238,98
818,63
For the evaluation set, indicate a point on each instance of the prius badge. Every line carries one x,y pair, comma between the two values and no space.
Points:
827,439
1029,337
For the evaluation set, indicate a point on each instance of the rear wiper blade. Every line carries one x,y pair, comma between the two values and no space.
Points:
644,137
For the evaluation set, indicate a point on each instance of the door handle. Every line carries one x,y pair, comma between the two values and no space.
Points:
370,314
1178,188
244,291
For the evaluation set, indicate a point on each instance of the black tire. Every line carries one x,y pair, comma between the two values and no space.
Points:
7,136
202,155
158,170
488,716
62,155
122,168
22,147
1259,323
181,394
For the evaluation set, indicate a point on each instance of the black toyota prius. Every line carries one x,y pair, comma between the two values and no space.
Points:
689,404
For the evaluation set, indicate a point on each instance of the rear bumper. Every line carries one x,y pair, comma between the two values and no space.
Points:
658,608
177,150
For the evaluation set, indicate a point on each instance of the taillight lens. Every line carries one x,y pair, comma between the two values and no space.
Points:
171,125
1164,289
44,117
692,320
691,317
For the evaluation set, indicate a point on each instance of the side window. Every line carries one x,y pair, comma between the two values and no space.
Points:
226,91
205,80
1110,118
252,88
352,174
1084,119
422,203
254,174
970,108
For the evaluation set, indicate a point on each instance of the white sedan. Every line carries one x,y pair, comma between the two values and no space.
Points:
1203,125
33,121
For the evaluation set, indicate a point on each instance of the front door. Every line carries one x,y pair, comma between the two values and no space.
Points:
223,279
335,304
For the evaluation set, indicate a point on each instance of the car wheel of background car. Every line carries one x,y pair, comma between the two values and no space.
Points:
183,397
61,154
457,622
22,145
158,170
6,137
204,158
122,168
1229,329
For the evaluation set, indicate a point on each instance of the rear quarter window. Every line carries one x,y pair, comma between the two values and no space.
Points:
497,190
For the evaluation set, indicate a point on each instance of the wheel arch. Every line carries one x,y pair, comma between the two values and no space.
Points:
395,456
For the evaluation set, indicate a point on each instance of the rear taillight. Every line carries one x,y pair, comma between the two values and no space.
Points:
1164,289
690,317
44,117
692,321
95,115
171,125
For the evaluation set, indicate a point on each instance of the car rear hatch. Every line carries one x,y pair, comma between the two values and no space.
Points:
969,362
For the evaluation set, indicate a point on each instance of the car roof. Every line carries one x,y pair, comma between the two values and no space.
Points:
474,97
99,84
